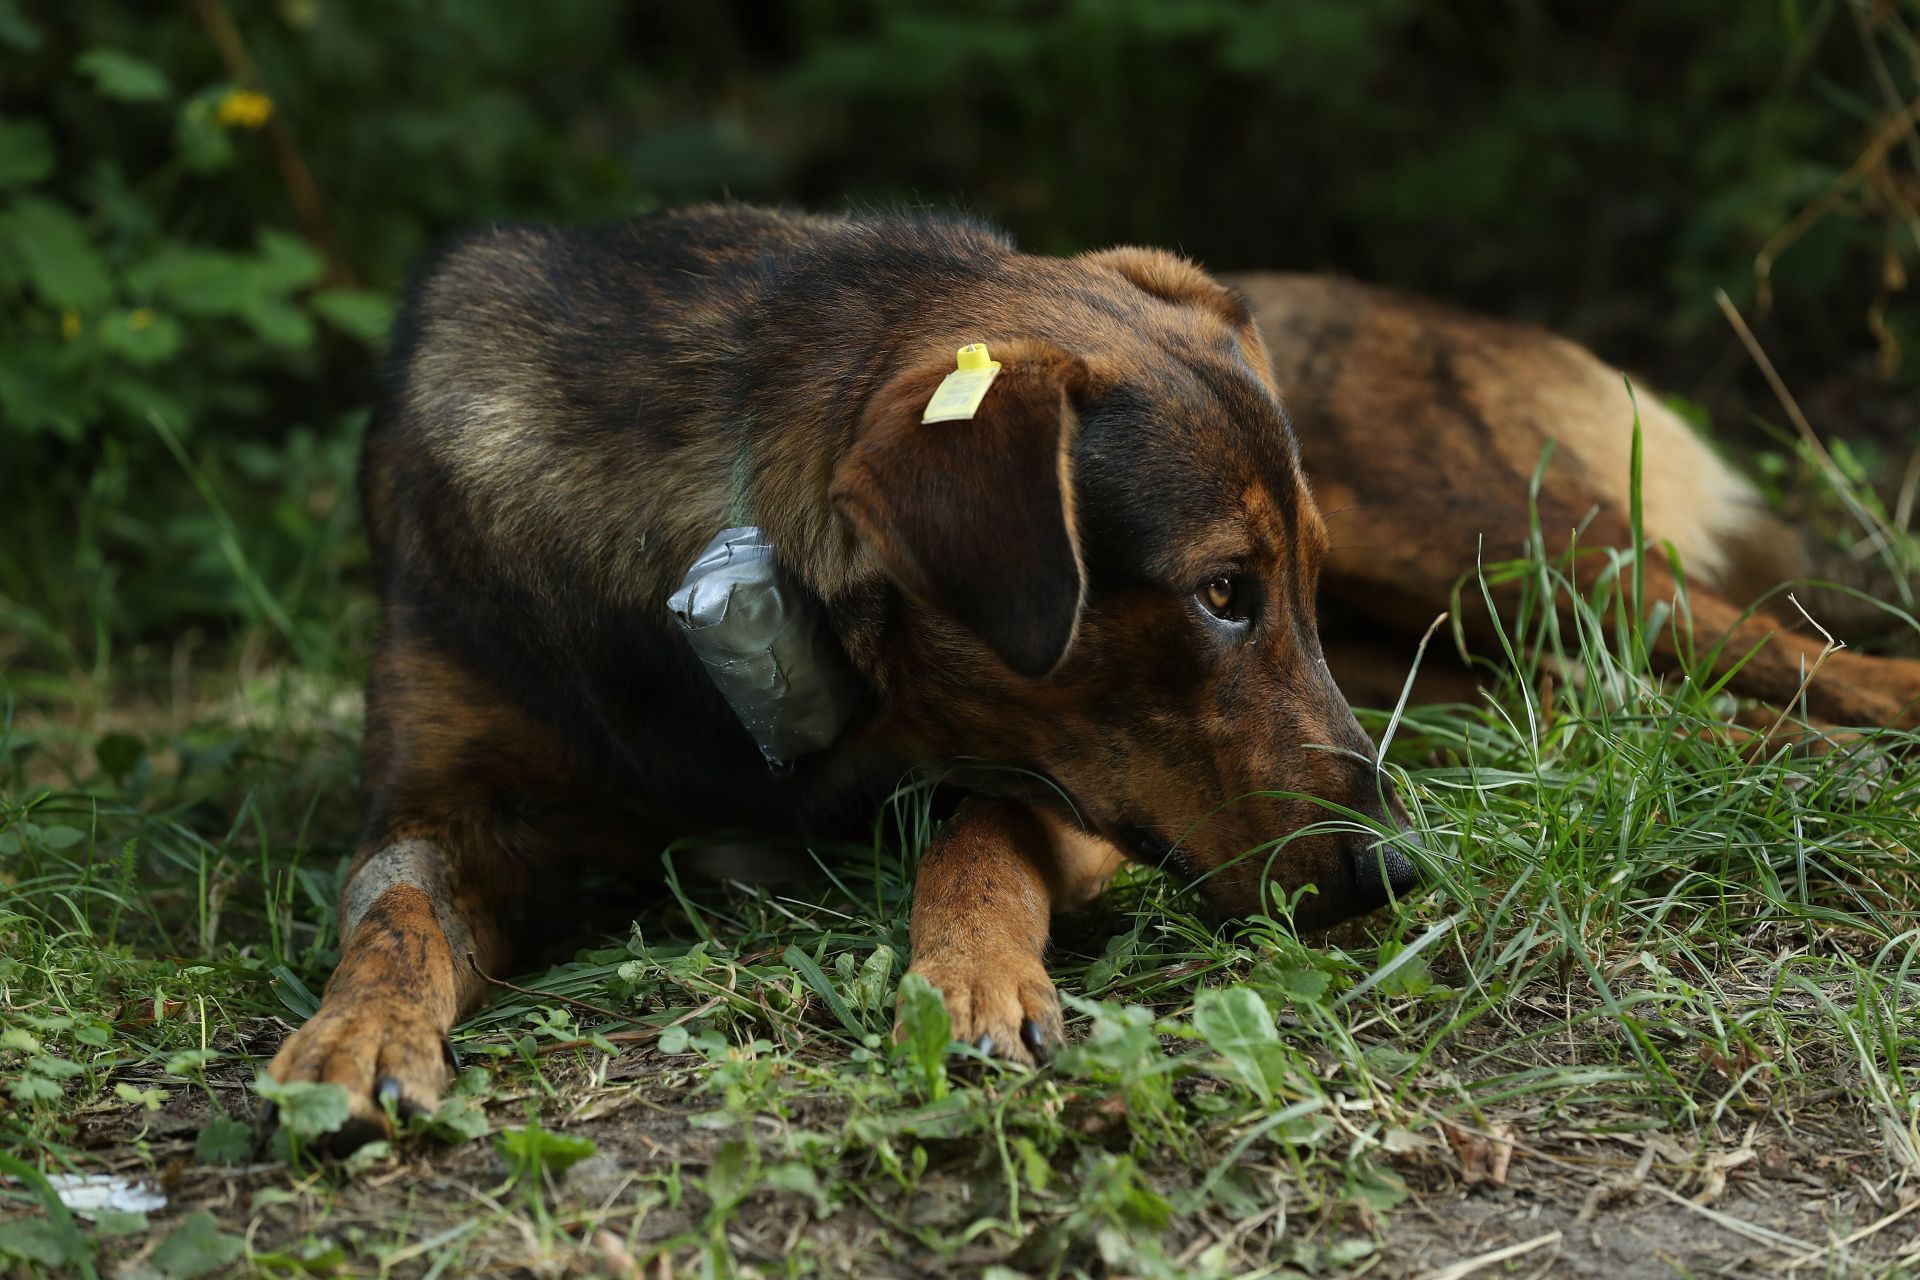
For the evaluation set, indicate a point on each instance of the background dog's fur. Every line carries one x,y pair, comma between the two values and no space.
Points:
1422,428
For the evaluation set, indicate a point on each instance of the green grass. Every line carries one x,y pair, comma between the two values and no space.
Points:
1670,982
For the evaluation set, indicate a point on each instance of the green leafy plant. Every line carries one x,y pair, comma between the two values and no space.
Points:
197,1247
926,1030
304,1111
531,1151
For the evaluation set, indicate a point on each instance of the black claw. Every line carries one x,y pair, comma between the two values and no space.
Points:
389,1090
1035,1038
264,1124
984,1044
451,1054
353,1135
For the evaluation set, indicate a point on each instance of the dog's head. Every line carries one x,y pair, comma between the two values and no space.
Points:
1106,578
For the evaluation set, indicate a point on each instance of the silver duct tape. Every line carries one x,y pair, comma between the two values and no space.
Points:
765,643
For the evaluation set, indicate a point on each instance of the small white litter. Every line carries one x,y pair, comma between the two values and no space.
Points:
91,1193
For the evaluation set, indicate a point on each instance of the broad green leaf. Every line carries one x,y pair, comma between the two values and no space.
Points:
120,1222
55,254
729,1175
287,262
203,146
925,1028
122,76
196,1247
280,323
367,1157
531,1149
201,282
1033,1165
36,1240
1345,1253
1378,1188
35,1088
1236,1023
1229,1018
48,1022
54,1230
142,335
457,1119
223,1140
870,988
26,152
799,1179
1296,986
361,313
307,1109
1120,1044
1112,1183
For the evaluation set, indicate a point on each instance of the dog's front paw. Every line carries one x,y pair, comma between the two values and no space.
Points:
380,1049
1002,1005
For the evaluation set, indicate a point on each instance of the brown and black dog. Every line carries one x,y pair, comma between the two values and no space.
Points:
1106,579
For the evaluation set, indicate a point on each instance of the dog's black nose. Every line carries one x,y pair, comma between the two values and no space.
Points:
1379,870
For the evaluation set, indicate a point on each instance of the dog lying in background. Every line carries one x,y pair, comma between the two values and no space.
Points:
1104,575
1420,428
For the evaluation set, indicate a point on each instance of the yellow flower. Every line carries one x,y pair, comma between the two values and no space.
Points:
69,324
140,319
243,109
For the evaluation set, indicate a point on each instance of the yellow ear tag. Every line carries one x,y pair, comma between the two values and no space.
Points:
959,395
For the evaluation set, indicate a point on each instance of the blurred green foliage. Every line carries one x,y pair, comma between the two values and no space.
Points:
206,207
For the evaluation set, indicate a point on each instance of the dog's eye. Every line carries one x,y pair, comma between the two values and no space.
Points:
1218,596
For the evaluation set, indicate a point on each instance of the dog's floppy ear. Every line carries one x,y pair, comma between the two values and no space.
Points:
976,516
1175,279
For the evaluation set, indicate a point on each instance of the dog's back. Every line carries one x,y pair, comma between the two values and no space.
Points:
526,358
558,436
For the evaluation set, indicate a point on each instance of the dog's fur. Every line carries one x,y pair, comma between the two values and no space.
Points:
573,414
1421,429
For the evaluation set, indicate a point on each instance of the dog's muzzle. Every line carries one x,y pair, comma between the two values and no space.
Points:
1379,871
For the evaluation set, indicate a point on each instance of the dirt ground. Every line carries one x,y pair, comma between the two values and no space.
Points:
1808,1197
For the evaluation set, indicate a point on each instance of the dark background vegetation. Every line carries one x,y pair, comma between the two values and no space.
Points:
195,298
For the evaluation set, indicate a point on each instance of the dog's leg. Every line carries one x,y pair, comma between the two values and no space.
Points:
446,758
416,906
986,890
1849,689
